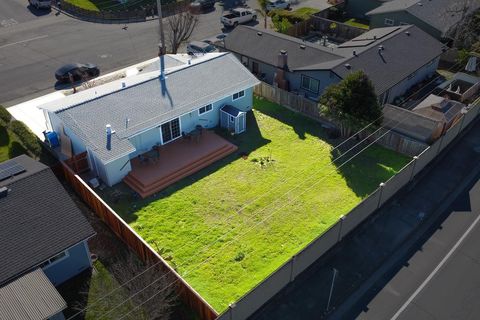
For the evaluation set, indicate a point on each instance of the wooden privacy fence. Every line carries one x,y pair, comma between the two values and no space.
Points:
135,242
290,101
277,280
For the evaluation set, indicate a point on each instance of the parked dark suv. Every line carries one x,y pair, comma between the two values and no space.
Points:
76,72
203,4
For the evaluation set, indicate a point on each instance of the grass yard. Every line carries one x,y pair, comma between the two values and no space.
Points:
10,146
356,23
230,225
113,5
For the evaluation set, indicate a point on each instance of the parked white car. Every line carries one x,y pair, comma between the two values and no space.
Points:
238,16
277,4
41,4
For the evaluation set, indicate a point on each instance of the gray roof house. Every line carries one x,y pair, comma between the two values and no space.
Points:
436,17
145,112
384,54
43,238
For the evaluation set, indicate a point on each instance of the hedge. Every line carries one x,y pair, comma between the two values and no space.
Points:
26,136
5,116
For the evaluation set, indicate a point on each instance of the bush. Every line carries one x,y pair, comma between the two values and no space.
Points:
292,17
29,140
5,116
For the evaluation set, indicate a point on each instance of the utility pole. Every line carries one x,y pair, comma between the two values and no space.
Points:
161,47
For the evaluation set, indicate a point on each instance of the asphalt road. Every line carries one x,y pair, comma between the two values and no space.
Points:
33,44
440,279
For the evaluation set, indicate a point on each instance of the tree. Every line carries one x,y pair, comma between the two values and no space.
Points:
467,30
352,102
263,11
180,28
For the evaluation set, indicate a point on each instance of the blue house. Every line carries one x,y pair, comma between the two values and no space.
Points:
384,54
43,233
123,121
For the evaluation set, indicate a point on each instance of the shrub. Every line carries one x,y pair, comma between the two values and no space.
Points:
5,116
28,139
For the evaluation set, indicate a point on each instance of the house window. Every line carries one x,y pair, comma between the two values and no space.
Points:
170,130
310,84
54,259
232,119
389,22
205,109
238,95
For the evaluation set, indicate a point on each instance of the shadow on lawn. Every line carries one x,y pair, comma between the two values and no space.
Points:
121,196
365,167
301,124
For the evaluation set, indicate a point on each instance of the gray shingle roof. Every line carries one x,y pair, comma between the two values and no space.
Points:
402,55
266,47
31,297
440,14
39,220
149,103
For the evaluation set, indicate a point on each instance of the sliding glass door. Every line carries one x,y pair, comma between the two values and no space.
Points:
170,130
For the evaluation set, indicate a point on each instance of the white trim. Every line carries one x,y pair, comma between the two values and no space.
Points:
179,127
51,264
206,111
238,92
389,23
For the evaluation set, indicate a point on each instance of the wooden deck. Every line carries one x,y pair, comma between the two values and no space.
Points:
176,160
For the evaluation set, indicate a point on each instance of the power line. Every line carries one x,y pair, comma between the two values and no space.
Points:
81,311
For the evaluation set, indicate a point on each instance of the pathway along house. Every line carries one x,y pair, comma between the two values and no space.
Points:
394,59
120,122
43,240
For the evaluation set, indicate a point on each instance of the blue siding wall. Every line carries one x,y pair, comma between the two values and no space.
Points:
326,78
57,125
145,141
116,170
422,73
77,261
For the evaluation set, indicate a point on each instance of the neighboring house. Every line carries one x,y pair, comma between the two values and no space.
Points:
144,111
462,87
436,17
43,240
440,109
384,54
358,8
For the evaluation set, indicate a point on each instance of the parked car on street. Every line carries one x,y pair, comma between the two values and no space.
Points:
200,47
40,4
76,72
202,5
238,16
277,4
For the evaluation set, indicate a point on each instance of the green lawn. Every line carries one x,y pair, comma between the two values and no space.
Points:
229,226
113,5
356,23
10,146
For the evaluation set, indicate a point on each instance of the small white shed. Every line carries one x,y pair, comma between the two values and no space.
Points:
233,119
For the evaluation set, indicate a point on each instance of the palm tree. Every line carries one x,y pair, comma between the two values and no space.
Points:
263,11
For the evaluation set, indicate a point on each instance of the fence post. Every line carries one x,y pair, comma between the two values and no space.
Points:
231,306
380,186
292,265
342,218
415,158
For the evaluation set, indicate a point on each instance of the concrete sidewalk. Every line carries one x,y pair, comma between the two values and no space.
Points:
360,255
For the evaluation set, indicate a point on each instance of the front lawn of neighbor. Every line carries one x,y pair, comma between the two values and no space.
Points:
111,5
230,225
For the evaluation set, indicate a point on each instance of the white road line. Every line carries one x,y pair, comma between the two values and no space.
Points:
23,41
440,265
